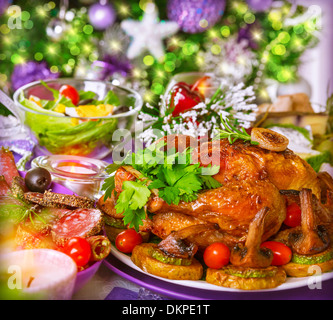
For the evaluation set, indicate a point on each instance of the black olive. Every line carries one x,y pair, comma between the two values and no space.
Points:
38,180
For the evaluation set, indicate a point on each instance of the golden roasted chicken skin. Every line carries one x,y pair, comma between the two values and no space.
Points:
233,206
251,179
243,161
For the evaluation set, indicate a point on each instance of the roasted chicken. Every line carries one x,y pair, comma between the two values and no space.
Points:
253,180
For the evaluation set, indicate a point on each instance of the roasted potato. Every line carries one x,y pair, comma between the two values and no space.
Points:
302,270
246,278
141,257
302,266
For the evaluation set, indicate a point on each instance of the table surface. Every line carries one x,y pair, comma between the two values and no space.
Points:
102,284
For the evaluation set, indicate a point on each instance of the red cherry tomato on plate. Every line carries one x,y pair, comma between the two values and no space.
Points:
70,93
217,255
294,215
79,250
281,253
127,240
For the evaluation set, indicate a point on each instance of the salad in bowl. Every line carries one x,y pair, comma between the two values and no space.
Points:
76,117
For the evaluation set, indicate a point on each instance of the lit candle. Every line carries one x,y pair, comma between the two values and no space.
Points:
83,176
43,274
77,170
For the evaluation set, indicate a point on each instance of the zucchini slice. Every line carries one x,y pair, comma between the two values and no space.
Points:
142,258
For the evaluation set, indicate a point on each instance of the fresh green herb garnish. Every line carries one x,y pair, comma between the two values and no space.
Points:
131,203
172,174
233,134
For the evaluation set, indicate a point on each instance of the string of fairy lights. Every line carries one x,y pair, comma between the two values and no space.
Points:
278,45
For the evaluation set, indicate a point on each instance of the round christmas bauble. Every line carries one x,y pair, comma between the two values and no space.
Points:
259,5
195,16
101,16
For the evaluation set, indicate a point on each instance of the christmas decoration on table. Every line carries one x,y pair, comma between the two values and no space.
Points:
269,40
23,147
186,110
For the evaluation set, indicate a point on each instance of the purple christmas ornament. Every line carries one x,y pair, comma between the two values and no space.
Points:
195,16
112,64
259,5
31,71
101,16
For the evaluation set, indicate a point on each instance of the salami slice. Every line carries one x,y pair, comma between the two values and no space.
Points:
4,187
7,166
77,223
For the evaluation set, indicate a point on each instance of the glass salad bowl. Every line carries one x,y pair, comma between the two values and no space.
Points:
84,127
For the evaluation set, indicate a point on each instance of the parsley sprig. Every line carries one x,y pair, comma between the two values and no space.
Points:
171,173
232,133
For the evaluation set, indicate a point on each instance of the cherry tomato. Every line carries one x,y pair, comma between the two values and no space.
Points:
281,253
79,250
294,215
217,255
127,240
70,93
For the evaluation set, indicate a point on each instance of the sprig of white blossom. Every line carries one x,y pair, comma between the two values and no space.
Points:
232,102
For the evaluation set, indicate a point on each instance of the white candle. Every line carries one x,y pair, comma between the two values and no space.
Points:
40,274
